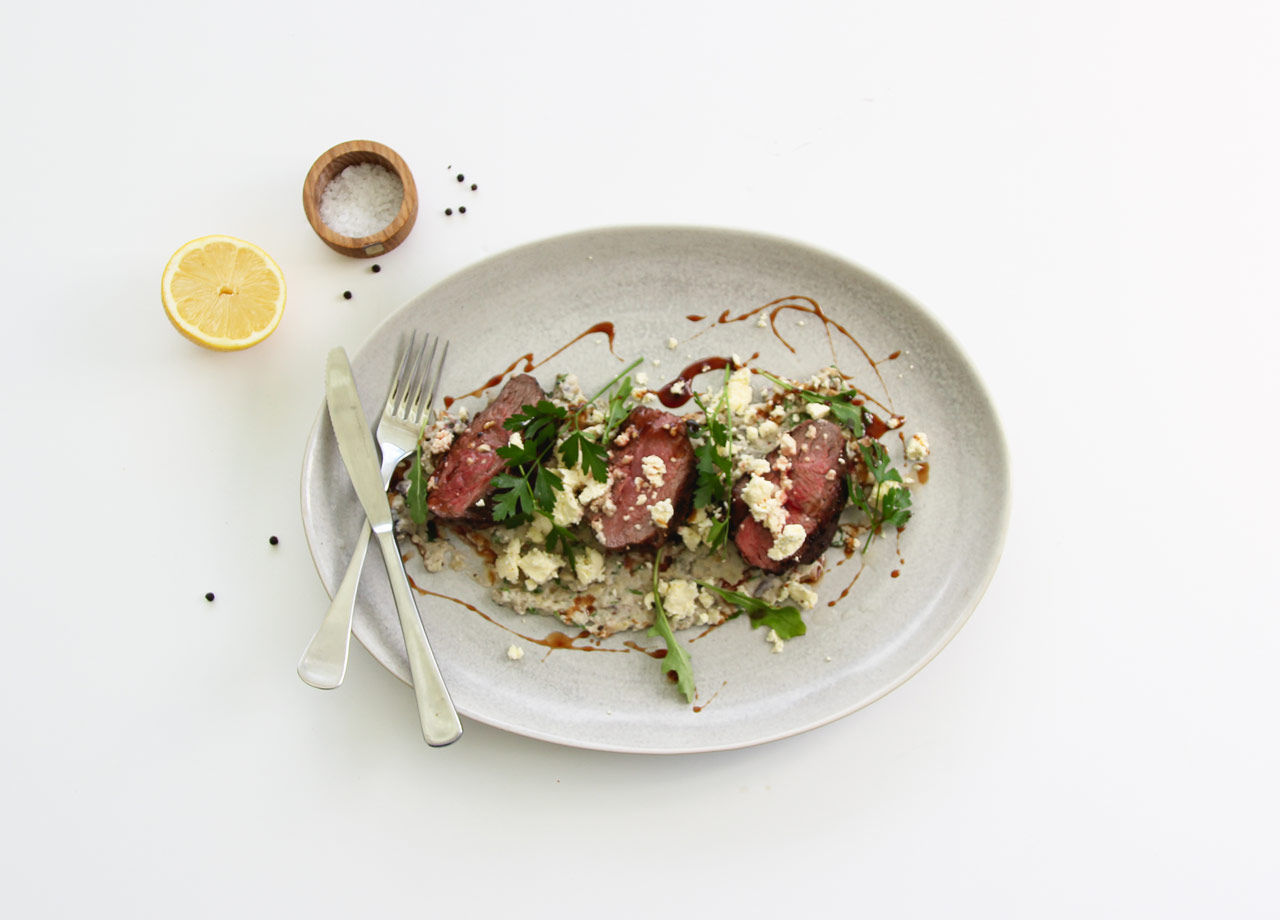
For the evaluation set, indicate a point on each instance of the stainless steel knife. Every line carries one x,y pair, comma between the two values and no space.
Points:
440,724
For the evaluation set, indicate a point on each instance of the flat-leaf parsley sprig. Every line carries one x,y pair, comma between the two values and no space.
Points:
713,487
885,505
527,486
591,450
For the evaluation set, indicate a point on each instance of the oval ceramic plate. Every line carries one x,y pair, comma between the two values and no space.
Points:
652,284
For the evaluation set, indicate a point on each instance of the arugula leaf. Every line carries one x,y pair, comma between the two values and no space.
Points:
785,621
843,408
416,498
677,660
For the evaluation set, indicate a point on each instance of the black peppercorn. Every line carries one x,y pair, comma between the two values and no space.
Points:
274,541
463,209
346,295
461,177
474,186
376,268
448,211
209,596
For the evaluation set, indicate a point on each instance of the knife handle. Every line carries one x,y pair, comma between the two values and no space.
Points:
440,724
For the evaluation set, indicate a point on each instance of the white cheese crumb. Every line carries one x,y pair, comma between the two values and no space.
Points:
764,503
817,410
642,378
787,542
515,652
740,391
917,447
589,565
507,565
803,595
680,597
661,512
763,321
515,440
654,469
540,565
788,444
776,641
768,429
672,343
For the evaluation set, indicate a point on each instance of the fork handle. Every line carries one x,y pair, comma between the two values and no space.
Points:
440,723
324,663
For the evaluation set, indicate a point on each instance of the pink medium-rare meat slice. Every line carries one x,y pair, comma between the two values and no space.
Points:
650,462
465,475
806,487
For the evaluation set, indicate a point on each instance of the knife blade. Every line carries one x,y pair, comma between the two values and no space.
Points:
439,719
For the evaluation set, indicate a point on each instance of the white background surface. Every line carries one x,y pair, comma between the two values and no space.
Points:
1085,194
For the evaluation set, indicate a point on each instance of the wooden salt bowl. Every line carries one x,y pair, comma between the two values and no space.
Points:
332,162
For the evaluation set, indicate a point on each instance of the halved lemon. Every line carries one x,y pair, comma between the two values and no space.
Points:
223,293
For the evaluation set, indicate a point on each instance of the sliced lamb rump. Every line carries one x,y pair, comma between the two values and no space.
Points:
806,487
650,461
465,475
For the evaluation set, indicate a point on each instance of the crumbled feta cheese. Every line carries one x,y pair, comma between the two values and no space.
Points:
803,595
757,465
739,390
678,387
539,527
567,510
515,652
680,597
763,321
917,447
539,565
776,641
768,429
654,469
787,542
589,565
515,440
661,512
788,444
507,565
817,410
440,441
642,378
765,503
672,343
592,491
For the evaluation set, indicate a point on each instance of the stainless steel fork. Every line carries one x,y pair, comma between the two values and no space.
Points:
407,411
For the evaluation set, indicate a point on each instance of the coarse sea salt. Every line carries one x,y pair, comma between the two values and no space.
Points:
361,200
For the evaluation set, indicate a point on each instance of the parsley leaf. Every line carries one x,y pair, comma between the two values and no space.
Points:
416,498
526,486
580,447
785,621
677,660
713,486
882,506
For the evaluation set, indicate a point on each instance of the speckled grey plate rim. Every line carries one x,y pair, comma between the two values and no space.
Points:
856,651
